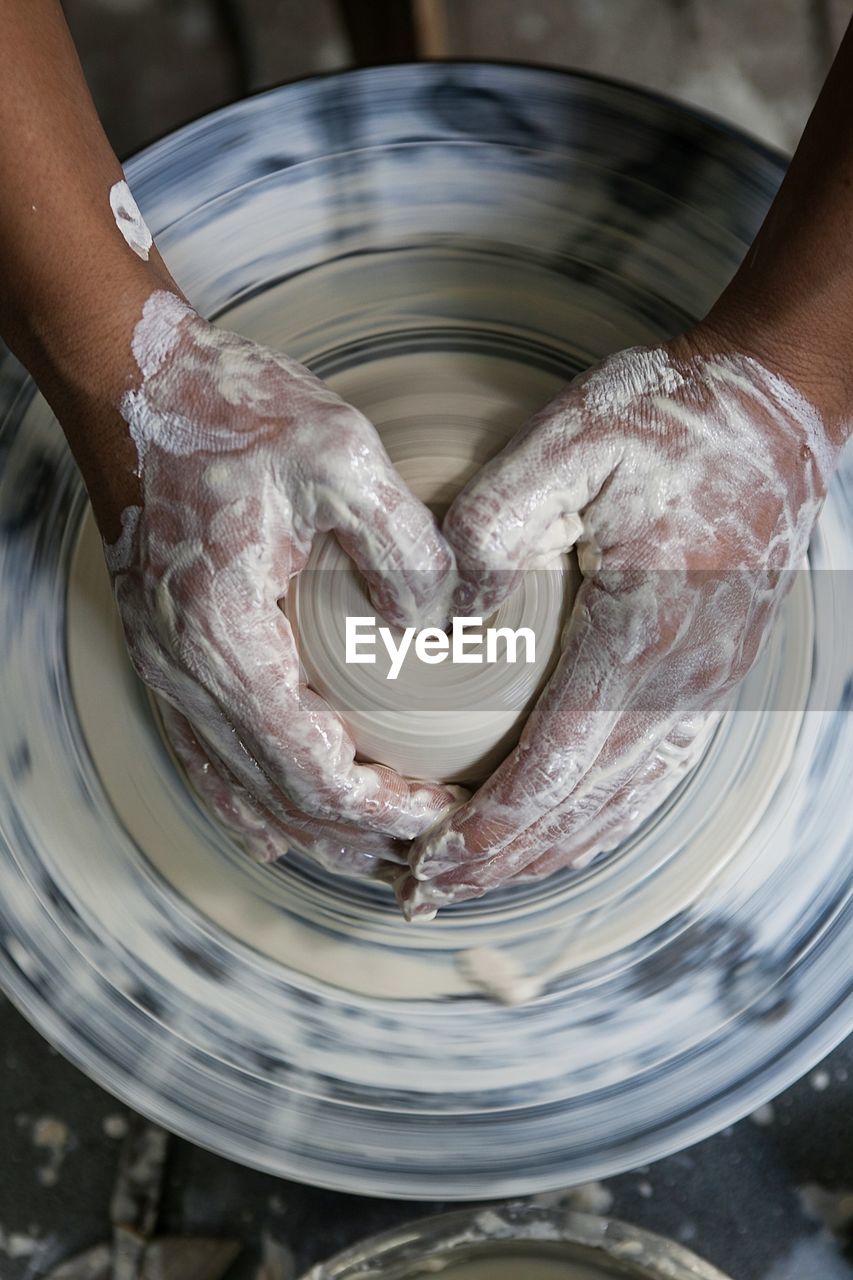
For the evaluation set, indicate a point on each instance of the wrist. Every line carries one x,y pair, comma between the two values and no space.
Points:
81,356
798,343
78,345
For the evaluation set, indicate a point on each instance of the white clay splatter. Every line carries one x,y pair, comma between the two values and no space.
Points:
51,1136
17,1244
586,1197
498,975
115,1126
277,1261
832,1209
764,1116
129,220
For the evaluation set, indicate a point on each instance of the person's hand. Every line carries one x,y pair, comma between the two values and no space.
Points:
243,458
690,483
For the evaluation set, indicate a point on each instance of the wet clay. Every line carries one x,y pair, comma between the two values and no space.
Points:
439,423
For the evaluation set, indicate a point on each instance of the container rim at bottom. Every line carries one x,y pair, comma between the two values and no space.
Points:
397,1254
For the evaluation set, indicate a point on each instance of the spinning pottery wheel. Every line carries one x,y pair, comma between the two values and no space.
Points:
446,245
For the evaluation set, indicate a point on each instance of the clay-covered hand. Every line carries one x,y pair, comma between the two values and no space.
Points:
689,482
244,457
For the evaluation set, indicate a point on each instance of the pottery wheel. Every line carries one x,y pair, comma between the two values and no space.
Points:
446,245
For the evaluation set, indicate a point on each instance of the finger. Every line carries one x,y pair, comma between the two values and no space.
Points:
526,506
628,785
260,833
265,836
631,805
474,878
613,642
392,536
240,685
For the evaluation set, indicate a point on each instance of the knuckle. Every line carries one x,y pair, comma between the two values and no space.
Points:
473,525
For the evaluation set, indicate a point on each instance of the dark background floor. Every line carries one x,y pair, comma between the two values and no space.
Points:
768,1200
759,1200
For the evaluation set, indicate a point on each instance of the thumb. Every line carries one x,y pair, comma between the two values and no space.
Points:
525,507
395,541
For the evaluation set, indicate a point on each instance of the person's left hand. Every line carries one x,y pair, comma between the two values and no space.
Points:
690,481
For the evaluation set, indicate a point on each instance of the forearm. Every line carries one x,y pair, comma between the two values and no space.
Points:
72,284
791,302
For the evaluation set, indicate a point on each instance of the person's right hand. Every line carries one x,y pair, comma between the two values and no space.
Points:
244,457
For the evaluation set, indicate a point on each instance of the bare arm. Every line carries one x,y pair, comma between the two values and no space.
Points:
791,302
73,288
